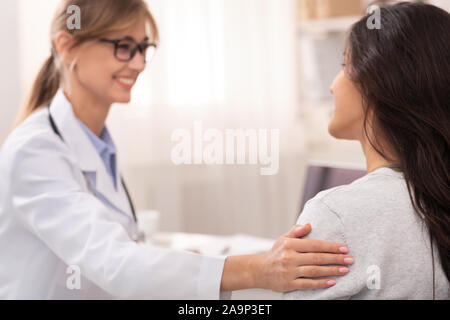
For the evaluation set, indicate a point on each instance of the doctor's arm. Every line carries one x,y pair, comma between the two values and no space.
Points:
80,230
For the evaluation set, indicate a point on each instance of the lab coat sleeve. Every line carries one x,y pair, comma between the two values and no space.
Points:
78,228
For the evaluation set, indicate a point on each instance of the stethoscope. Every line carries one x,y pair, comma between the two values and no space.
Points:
130,201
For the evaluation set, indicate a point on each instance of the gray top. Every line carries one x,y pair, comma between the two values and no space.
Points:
374,217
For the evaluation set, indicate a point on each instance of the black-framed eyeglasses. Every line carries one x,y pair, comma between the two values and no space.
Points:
125,49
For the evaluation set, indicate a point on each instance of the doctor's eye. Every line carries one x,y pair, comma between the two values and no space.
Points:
125,47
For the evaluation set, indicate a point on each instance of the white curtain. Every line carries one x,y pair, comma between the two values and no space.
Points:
229,64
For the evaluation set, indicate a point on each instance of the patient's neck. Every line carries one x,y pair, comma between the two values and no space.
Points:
374,160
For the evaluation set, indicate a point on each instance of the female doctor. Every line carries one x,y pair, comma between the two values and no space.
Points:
64,205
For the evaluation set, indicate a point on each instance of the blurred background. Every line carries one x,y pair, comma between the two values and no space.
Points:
251,64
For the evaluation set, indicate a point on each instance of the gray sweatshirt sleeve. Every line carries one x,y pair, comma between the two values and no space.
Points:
327,225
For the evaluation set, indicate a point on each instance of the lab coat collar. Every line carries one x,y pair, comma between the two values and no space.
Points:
88,158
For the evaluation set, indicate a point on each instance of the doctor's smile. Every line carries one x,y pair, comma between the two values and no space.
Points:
126,83
65,202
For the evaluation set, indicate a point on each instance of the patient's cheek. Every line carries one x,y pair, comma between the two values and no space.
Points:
338,124
333,131
348,117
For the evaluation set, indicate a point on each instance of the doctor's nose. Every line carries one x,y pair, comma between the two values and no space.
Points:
138,62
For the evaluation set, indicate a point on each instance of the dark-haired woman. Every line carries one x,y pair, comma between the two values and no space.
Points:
393,96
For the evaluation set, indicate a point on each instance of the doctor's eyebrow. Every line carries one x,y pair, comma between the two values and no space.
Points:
146,39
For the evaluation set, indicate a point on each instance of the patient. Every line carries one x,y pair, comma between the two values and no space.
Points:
393,96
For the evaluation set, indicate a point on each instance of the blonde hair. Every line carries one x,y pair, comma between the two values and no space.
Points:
98,18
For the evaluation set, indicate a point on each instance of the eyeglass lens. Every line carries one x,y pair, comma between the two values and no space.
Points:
126,50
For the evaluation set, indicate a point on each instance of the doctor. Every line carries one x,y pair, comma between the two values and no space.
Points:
64,204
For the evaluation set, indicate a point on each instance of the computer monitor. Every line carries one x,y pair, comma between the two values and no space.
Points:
321,177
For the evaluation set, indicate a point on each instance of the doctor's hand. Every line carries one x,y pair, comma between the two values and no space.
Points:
291,259
285,267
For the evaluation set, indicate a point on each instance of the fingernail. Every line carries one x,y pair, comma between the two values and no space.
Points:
331,283
348,260
344,270
343,249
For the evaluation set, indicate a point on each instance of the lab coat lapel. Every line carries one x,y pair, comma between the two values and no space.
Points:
89,160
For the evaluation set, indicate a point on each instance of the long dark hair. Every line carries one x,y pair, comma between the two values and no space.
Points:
403,73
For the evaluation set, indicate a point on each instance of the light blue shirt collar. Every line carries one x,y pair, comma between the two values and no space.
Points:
105,148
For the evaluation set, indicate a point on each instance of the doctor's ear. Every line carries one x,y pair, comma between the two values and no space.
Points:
64,47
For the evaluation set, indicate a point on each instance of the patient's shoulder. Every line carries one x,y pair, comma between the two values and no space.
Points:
371,193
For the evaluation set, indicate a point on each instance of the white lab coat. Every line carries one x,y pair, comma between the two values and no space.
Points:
52,218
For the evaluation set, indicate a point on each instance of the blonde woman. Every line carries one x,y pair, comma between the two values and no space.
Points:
64,206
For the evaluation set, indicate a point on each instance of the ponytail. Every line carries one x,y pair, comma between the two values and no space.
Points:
44,89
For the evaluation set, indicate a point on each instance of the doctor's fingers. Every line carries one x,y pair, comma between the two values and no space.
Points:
307,284
311,245
316,271
321,259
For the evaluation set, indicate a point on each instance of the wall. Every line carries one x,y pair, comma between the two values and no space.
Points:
9,64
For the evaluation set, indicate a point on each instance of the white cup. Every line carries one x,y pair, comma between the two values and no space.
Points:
148,222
